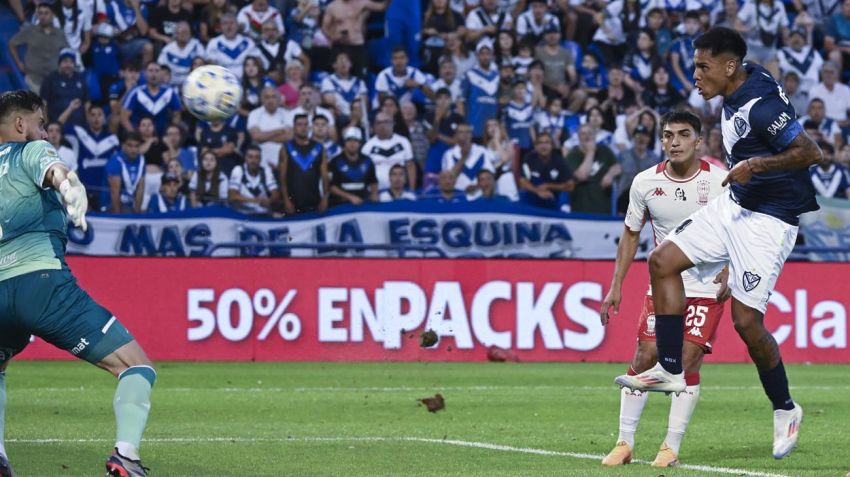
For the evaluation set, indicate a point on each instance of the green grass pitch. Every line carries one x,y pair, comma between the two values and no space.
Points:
362,419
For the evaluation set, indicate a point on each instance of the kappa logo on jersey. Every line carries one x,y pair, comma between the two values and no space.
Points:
659,192
780,123
682,226
751,281
680,194
703,190
740,126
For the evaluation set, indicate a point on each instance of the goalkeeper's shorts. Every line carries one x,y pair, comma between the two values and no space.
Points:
50,305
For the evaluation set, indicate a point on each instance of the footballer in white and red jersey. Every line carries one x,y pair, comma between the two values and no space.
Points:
664,196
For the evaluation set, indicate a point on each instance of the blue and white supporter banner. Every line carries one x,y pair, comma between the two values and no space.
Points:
473,229
828,228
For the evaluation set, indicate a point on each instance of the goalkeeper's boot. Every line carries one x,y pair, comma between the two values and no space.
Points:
119,466
619,455
666,457
786,429
5,467
655,379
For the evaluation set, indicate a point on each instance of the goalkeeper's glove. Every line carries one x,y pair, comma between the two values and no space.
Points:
76,201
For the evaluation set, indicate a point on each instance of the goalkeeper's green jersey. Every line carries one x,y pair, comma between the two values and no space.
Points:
33,222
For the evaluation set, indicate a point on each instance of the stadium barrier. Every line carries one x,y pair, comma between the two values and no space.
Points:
371,310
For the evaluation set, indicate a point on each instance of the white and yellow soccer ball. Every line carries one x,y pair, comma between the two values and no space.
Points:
212,93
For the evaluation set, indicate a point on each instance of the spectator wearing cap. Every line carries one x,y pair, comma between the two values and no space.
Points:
536,20
340,88
396,189
834,93
465,159
267,126
400,80
800,57
353,179
519,118
253,188
837,39
276,51
480,87
828,128
164,19
559,71
180,52
634,160
169,198
44,42
253,16
93,145
387,149
439,21
486,20
125,173
103,57
303,174
65,91
545,175
594,169
231,47
344,24
161,102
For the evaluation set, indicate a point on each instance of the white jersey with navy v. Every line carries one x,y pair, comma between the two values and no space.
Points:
230,54
180,59
757,121
346,90
519,119
479,158
834,181
480,89
396,86
142,102
93,152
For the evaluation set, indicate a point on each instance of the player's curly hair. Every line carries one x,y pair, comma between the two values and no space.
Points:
722,40
20,100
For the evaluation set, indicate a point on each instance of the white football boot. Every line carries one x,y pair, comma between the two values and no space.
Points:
786,430
655,379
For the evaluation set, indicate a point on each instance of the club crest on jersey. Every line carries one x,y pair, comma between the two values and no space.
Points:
740,126
751,281
703,190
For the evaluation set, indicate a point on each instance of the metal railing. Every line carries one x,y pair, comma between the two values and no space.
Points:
283,249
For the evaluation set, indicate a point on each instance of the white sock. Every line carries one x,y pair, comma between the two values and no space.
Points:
631,407
681,409
127,450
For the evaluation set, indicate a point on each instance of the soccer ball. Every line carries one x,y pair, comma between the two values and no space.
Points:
212,93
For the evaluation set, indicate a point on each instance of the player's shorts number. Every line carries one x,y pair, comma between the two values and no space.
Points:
696,315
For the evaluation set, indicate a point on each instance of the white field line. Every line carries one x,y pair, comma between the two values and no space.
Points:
449,442
396,389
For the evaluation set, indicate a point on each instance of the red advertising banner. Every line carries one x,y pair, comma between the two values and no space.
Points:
374,309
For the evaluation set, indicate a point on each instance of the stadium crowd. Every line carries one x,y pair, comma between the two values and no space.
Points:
554,103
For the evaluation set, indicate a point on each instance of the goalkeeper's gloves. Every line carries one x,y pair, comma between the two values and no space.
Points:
76,201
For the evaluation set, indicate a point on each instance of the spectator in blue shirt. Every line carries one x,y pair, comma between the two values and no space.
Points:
63,86
126,177
153,99
104,57
445,192
169,198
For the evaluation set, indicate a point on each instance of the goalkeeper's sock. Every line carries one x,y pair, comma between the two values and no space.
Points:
681,410
631,407
775,384
669,339
2,413
132,404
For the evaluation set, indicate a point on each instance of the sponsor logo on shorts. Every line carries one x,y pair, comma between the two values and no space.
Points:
682,226
751,281
80,346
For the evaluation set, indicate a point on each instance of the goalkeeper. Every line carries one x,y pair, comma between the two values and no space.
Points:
38,294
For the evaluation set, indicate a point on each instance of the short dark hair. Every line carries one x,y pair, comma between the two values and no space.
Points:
826,147
809,124
692,14
682,116
396,166
300,116
320,116
253,147
722,40
20,100
398,49
133,136
816,100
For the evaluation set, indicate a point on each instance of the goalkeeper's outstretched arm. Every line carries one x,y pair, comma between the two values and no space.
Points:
72,190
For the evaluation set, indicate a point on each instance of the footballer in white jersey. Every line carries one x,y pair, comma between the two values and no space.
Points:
665,195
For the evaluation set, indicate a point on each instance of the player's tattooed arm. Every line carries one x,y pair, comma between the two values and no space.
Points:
800,154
